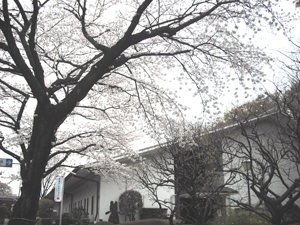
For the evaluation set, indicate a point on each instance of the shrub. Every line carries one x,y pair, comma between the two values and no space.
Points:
239,217
65,215
79,216
3,211
130,204
147,222
152,222
104,223
148,213
48,221
44,208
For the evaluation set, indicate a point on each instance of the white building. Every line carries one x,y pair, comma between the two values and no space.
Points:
263,155
94,193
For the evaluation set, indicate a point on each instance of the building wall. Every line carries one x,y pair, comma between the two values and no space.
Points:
111,190
268,131
83,195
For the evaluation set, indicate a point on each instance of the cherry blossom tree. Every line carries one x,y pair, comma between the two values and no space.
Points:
268,140
78,77
49,181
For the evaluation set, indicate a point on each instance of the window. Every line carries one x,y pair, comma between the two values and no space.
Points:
92,206
87,205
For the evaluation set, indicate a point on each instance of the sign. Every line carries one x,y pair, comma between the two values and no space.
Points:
59,189
6,162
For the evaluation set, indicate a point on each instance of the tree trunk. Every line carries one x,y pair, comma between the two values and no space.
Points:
276,219
25,209
170,218
32,169
275,211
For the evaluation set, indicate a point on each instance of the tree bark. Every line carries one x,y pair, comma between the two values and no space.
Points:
33,168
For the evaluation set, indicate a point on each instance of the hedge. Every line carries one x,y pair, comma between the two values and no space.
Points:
148,213
47,221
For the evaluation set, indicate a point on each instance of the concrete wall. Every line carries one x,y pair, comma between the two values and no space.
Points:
82,195
267,131
111,190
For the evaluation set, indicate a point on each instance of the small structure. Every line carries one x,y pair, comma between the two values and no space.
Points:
6,207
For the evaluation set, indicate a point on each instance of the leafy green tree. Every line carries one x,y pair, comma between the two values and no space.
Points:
5,189
248,110
130,204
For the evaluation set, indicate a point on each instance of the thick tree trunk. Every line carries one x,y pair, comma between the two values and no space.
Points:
32,170
275,211
276,220
25,209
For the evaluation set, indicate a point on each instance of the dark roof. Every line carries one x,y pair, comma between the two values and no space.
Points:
73,179
12,198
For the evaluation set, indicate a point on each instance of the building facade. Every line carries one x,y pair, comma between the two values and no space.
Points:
243,160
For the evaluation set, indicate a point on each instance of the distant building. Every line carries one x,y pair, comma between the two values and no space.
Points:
94,193
8,203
